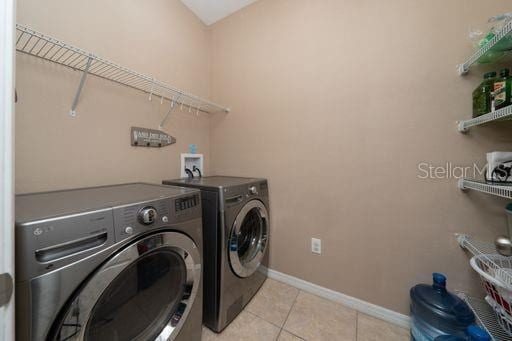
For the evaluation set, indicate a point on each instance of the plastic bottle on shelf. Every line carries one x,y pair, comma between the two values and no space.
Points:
436,312
502,90
482,95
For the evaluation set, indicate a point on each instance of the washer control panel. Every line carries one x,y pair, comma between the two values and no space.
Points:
186,203
253,190
132,220
147,215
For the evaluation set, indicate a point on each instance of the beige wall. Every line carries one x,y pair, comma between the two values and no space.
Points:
336,103
161,38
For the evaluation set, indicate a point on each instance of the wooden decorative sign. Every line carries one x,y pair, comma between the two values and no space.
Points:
143,137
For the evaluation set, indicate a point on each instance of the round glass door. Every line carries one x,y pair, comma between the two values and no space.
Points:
248,241
140,300
143,293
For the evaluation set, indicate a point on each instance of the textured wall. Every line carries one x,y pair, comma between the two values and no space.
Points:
336,103
161,38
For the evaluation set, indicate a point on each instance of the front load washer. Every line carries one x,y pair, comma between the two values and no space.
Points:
119,262
236,231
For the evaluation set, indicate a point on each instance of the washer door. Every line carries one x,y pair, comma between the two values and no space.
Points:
248,240
144,292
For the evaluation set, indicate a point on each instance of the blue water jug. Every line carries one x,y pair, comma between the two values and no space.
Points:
474,333
436,312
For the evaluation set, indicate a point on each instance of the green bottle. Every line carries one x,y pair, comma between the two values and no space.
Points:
482,96
502,92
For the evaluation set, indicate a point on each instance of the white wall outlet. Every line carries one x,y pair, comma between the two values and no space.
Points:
316,246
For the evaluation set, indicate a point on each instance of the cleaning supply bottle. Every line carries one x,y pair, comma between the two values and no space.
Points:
436,312
502,90
482,95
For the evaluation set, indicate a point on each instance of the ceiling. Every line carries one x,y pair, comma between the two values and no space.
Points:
211,11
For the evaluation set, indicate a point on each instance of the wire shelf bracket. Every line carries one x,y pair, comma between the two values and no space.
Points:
42,46
503,191
167,115
72,112
464,67
463,126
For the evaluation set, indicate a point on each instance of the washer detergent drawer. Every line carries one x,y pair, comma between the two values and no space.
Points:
47,245
67,249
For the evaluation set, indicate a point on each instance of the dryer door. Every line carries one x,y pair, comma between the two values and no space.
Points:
249,237
144,292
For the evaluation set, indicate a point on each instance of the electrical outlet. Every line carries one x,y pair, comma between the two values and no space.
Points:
316,246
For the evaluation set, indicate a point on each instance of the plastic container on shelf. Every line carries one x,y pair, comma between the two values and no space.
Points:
482,95
436,312
494,54
482,37
502,90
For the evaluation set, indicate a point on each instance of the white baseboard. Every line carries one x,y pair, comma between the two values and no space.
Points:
348,301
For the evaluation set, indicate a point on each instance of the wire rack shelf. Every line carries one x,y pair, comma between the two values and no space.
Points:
39,45
504,191
464,126
481,248
486,317
505,31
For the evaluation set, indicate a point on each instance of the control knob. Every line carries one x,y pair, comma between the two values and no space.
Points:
253,190
147,215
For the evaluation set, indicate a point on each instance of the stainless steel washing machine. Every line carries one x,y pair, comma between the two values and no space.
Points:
109,263
236,230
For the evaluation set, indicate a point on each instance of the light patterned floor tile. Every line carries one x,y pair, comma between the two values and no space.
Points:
286,336
273,301
372,329
247,327
315,318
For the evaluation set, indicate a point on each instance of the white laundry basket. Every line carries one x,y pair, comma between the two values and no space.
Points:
495,271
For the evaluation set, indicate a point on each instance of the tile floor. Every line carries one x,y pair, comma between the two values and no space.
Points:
284,313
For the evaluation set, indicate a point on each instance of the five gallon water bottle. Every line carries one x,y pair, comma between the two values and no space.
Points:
438,313
474,333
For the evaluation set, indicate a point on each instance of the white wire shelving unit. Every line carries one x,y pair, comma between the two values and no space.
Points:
464,67
481,248
485,317
503,191
463,126
53,50
484,313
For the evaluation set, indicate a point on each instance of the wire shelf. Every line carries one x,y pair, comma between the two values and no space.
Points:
481,248
464,67
504,191
42,46
486,317
492,116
